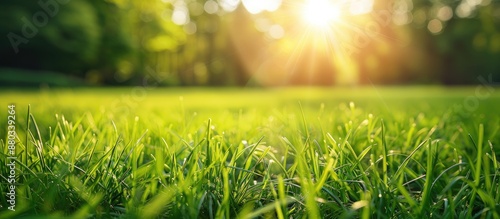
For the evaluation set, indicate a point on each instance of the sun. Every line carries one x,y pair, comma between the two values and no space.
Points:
320,13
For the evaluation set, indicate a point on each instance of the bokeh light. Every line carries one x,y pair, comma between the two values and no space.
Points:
435,26
445,13
276,42
258,6
211,7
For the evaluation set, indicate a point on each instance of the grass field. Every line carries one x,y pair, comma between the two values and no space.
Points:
393,152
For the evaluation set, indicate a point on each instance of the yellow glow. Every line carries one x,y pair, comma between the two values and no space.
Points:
320,13
320,42
258,6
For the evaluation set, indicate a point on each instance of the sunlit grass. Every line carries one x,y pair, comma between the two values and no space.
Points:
276,153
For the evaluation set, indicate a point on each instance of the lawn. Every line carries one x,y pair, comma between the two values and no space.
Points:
360,152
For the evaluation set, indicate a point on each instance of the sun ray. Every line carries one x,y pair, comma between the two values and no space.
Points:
324,32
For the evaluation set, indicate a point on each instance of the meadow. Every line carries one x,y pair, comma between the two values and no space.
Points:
350,152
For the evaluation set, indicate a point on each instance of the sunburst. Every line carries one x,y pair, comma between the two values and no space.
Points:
319,40
320,13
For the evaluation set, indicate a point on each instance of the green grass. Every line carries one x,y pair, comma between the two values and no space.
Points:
255,153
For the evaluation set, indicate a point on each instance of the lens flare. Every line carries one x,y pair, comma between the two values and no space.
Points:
320,42
320,13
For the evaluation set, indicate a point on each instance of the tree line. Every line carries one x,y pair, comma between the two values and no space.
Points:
216,43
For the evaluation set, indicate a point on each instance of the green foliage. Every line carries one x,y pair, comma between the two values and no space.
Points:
72,37
60,41
74,40
14,76
128,41
255,153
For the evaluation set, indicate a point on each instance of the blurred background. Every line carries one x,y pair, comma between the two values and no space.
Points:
248,42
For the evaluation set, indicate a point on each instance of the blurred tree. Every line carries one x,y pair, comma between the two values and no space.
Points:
40,39
50,36
225,42
468,46
114,60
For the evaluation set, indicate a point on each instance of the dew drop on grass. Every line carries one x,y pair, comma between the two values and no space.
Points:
365,122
